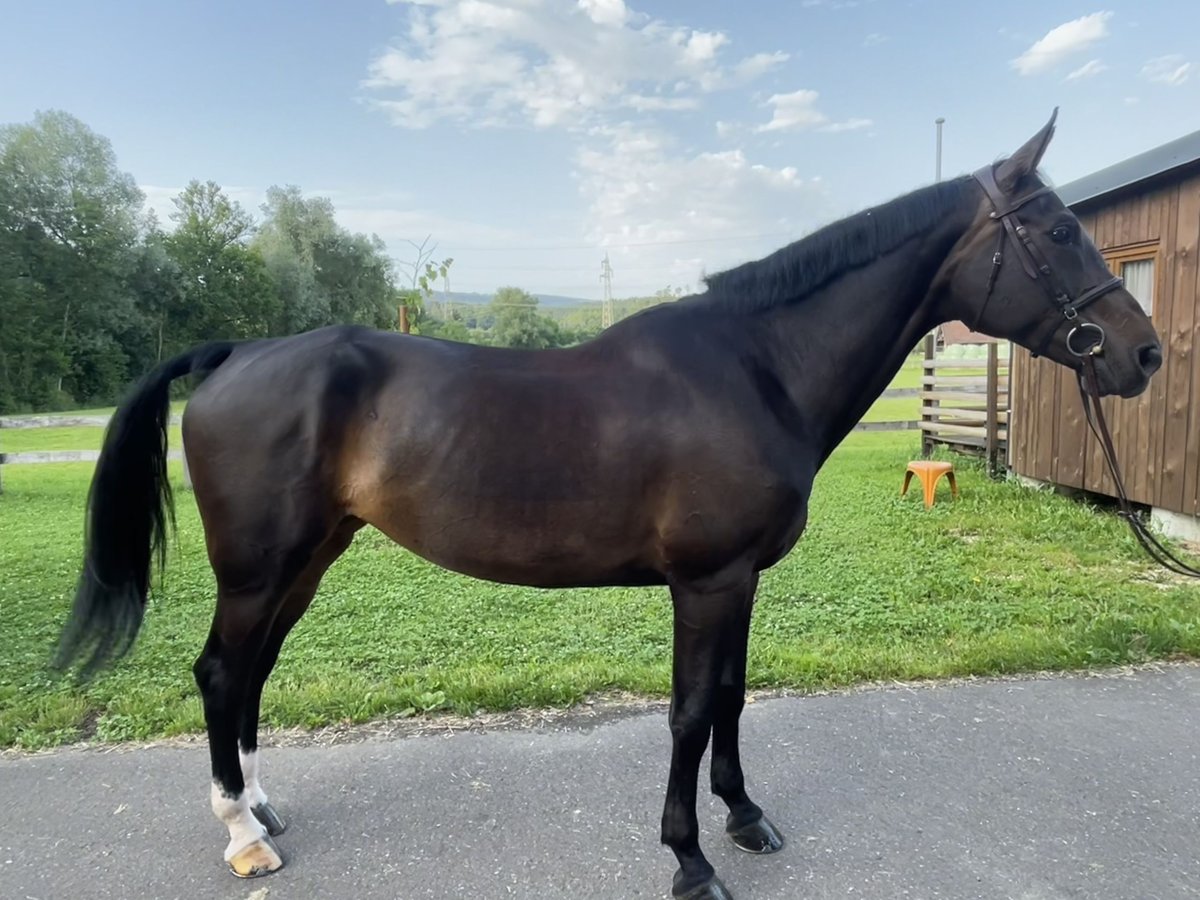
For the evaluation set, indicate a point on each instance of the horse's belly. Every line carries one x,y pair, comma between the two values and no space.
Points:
538,543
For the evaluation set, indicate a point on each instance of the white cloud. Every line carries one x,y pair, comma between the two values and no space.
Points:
1061,42
1089,69
795,110
676,215
847,125
644,104
605,12
1170,70
664,214
874,39
754,66
798,111
547,63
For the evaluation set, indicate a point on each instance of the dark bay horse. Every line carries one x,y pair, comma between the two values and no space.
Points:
678,448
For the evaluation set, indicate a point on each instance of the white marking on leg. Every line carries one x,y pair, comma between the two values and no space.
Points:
244,829
255,795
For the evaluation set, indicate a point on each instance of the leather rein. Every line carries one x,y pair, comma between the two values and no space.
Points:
1037,267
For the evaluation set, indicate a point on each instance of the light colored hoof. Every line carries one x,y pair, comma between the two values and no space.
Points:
260,858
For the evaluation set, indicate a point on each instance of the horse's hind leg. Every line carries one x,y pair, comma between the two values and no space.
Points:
746,825
256,569
294,606
223,672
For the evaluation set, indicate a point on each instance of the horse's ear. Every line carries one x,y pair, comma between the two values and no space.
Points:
1025,161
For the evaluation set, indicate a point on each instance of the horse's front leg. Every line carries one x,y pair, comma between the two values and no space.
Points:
746,825
703,620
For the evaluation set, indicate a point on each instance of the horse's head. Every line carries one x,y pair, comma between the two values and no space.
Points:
1028,272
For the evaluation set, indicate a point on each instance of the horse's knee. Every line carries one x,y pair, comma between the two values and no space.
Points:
692,720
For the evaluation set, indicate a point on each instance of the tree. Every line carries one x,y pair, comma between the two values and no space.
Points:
321,272
518,323
227,292
159,289
205,212
454,330
68,230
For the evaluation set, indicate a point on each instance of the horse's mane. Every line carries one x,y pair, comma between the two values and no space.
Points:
794,271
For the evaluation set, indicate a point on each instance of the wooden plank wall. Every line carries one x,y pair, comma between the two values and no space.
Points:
1157,435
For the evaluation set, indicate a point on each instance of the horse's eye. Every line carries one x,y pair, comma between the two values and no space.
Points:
1061,234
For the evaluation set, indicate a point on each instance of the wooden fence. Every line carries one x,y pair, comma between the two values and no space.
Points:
59,456
964,405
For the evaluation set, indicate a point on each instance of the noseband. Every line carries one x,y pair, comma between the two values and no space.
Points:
1037,267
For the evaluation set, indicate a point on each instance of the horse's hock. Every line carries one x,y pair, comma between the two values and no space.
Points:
929,472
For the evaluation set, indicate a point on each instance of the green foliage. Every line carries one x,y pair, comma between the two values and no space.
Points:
518,323
222,289
322,273
93,292
413,299
1003,580
69,223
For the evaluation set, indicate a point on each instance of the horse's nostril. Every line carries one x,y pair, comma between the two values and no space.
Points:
1150,358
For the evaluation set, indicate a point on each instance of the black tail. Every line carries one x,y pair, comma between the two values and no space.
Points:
129,506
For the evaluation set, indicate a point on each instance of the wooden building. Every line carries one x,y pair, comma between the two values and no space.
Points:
1144,216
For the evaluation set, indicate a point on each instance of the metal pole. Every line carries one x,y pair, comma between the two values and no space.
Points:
938,171
931,338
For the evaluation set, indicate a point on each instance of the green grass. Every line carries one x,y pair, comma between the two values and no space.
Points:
70,437
899,409
909,375
1004,580
74,437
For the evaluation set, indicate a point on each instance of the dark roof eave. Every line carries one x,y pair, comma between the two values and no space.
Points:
1170,159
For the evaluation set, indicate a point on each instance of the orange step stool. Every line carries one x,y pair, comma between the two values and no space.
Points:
929,472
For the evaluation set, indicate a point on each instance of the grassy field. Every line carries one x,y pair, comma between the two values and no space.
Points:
1006,579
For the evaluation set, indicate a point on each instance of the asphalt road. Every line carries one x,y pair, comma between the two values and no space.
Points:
1006,790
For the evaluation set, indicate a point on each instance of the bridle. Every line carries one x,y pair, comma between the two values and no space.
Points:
1037,267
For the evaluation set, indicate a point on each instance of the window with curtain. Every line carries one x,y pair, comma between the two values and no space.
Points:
1139,281
1137,264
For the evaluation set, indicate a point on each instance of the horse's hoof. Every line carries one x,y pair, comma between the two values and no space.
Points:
757,837
257,859
712,889
265,813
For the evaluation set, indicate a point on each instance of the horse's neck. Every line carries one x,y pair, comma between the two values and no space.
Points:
837,351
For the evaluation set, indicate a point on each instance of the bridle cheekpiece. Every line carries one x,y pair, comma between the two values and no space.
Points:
1037,267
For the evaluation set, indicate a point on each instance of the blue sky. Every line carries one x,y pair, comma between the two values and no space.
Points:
531,137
